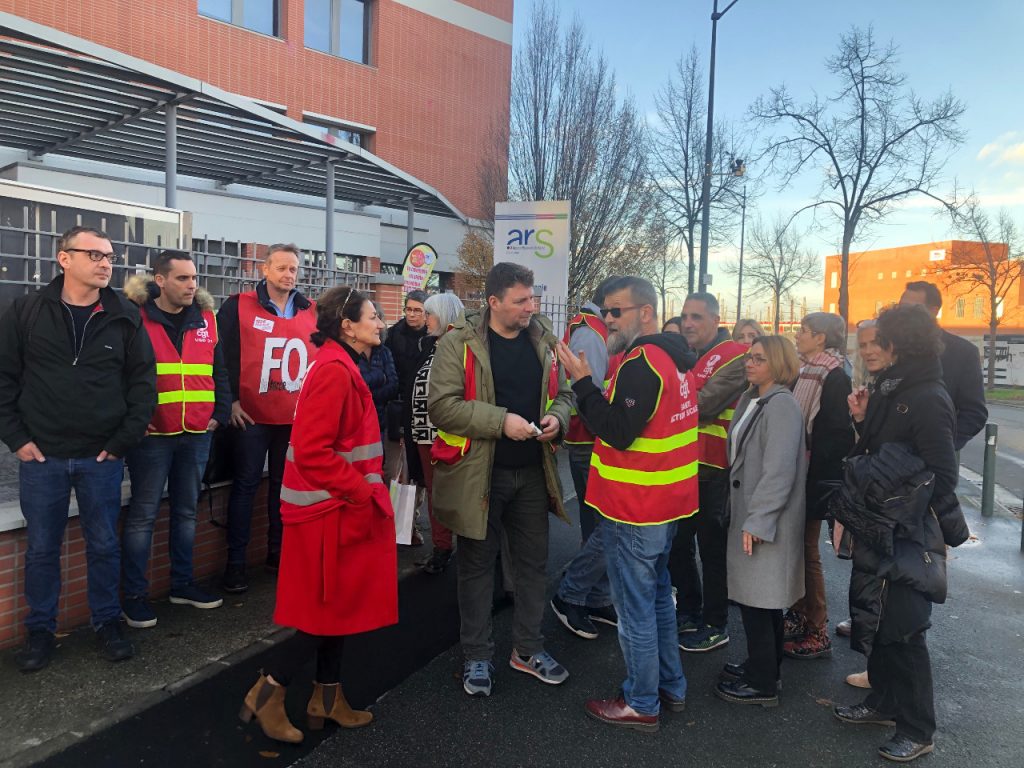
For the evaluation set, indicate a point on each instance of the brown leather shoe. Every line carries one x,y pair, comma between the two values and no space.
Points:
618,712
265,702
328,703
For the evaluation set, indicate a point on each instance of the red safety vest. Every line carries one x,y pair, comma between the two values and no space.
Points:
184,383
713,435
654,480
578,433
275,354
449,448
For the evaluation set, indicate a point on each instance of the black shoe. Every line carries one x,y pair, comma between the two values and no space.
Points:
574,618
738,672
606,614
861,714
273,560
437,561
901,749
37,652
234,580
738,692
113,644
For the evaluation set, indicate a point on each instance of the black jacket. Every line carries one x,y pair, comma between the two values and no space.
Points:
961,372
74,407
619,423
379,374
404,344
227,327
832,438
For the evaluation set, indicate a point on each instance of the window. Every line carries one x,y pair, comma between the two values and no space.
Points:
832,308
257,15
835,279
880,275
344,131
338,27
893,275
960,307
878,307
979,306
910,272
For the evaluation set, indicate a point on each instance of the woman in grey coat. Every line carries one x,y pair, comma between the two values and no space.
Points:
765,550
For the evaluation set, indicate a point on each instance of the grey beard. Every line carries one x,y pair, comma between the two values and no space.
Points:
618,342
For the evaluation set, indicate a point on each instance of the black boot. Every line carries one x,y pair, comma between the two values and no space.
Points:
234,579
37,651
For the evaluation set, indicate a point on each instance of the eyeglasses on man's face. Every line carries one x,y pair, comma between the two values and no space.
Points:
414,310
616,312
94,255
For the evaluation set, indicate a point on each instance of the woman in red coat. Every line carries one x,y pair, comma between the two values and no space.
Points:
338,573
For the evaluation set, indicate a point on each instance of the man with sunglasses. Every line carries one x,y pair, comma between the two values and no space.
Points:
77,389
721,379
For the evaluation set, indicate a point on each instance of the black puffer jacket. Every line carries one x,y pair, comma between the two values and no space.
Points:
908,431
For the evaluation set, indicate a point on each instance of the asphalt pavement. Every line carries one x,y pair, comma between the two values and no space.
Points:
1009,449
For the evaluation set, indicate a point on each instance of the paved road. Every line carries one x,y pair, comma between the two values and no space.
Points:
1009,451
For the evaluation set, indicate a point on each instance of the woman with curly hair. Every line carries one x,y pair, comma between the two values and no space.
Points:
905,430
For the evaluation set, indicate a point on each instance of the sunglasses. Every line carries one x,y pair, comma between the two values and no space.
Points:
616,312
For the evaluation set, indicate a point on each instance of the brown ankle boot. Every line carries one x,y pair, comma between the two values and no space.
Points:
265,701
328,702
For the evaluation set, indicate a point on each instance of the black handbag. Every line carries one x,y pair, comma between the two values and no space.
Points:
220,464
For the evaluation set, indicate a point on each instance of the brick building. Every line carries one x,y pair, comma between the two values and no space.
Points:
877,279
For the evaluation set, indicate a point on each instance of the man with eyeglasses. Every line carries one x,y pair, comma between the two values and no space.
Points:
721,379
77,389
404,342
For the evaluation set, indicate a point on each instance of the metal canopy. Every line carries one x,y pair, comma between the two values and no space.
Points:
63,95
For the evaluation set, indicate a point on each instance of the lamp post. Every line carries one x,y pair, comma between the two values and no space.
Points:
739,282
708,154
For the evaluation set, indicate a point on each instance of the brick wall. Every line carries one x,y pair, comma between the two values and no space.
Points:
433,90
210,555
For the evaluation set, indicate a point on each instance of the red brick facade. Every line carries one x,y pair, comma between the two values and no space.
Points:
432,89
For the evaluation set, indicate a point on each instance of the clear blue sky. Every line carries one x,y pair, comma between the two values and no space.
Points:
972,48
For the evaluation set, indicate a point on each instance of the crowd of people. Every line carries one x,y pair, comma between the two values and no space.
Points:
686,444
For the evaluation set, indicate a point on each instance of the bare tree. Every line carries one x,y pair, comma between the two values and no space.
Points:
776,261
879,142
571,138
994,268
476,257
653,252
676,159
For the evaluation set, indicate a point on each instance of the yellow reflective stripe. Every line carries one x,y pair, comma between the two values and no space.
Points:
642,477
726,415
192,396
184,369
456,441
714,430
662,444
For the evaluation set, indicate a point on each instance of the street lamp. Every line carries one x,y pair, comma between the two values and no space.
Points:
708,158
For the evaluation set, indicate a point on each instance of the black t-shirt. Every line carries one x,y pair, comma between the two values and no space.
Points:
517,372
79,317
177,320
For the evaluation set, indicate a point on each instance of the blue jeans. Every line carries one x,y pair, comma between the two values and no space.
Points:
642,591
254,445
45,490
586,577
179,461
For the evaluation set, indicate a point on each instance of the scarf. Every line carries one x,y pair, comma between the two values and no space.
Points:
810,382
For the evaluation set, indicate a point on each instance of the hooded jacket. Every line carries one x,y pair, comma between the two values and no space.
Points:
461,492
74,407
143,291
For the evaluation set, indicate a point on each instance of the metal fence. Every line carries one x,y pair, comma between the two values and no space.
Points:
225,267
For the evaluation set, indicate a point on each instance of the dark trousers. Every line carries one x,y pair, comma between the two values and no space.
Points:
326,648
682,565
711,527
519,506
763,627
579,469
253,446
901,685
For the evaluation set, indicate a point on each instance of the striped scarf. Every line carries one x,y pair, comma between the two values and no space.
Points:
810,382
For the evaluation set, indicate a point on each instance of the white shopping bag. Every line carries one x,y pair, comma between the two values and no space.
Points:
403,500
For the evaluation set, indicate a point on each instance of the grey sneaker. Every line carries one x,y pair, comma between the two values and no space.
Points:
541,665
476,677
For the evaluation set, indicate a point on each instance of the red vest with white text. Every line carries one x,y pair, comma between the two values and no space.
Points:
184,383
712,435
578,434
654,480
275,353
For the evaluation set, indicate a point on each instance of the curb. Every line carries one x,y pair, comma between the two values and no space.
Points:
65,740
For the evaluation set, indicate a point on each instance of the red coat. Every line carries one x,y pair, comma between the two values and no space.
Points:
339,570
